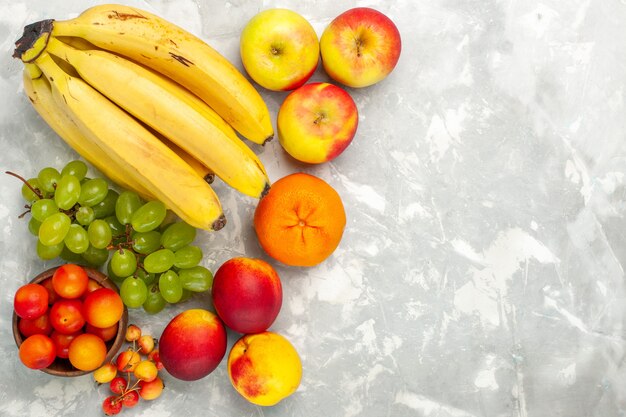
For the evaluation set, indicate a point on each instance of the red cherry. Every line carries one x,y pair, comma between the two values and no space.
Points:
111,405
130,399
118,385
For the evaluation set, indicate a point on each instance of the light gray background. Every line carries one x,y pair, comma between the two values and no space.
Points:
481,270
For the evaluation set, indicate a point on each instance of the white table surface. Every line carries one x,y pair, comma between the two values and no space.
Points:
481,270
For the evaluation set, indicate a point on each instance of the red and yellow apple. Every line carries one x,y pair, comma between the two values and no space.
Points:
317,122
247,294
279,49
192,344
360,47
264,368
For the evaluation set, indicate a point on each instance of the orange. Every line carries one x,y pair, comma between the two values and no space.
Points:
300,221
87,352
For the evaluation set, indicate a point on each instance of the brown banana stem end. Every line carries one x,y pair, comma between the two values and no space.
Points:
219,223
31,34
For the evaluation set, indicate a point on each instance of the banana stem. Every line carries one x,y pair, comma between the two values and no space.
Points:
33,41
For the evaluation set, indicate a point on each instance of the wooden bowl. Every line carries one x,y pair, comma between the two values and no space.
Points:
62,367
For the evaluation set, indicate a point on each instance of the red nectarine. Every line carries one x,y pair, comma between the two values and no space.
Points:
247,294
192,344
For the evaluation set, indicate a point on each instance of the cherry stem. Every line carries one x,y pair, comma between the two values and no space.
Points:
128,387
127,383
134,387
33,189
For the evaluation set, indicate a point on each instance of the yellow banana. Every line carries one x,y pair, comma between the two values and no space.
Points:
40,95
207,173
174,52
170,110
197,166
78,43
129,144
203,171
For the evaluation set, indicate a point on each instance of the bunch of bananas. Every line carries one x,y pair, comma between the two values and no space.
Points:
148,104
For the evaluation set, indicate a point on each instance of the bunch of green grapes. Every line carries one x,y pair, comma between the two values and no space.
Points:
70,214
150,255
155,262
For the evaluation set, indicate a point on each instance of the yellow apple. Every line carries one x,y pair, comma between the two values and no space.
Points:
279,49
360,47
317,122
264,368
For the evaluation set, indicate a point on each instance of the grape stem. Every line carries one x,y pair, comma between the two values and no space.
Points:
33,189
27,207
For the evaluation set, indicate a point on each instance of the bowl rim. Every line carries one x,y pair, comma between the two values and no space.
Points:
113,346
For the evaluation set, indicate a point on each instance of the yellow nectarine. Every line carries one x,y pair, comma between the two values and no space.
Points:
264,368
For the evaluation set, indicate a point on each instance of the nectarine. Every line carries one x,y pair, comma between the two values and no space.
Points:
247,294
192,344
264,368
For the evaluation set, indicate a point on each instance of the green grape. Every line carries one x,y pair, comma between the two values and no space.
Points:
149,216
93,192
76,168
27,193
127,203
134,292
170,286
170,217
159,261
123,262
41,209
54,228
155,301
187,257
85,215
99,234
106,207
47,252
71,257
118,231
147,277
186,295
48,178
196,279
178,235
111,275
33,226
146,243
67,192
77,240
95,257
117,228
